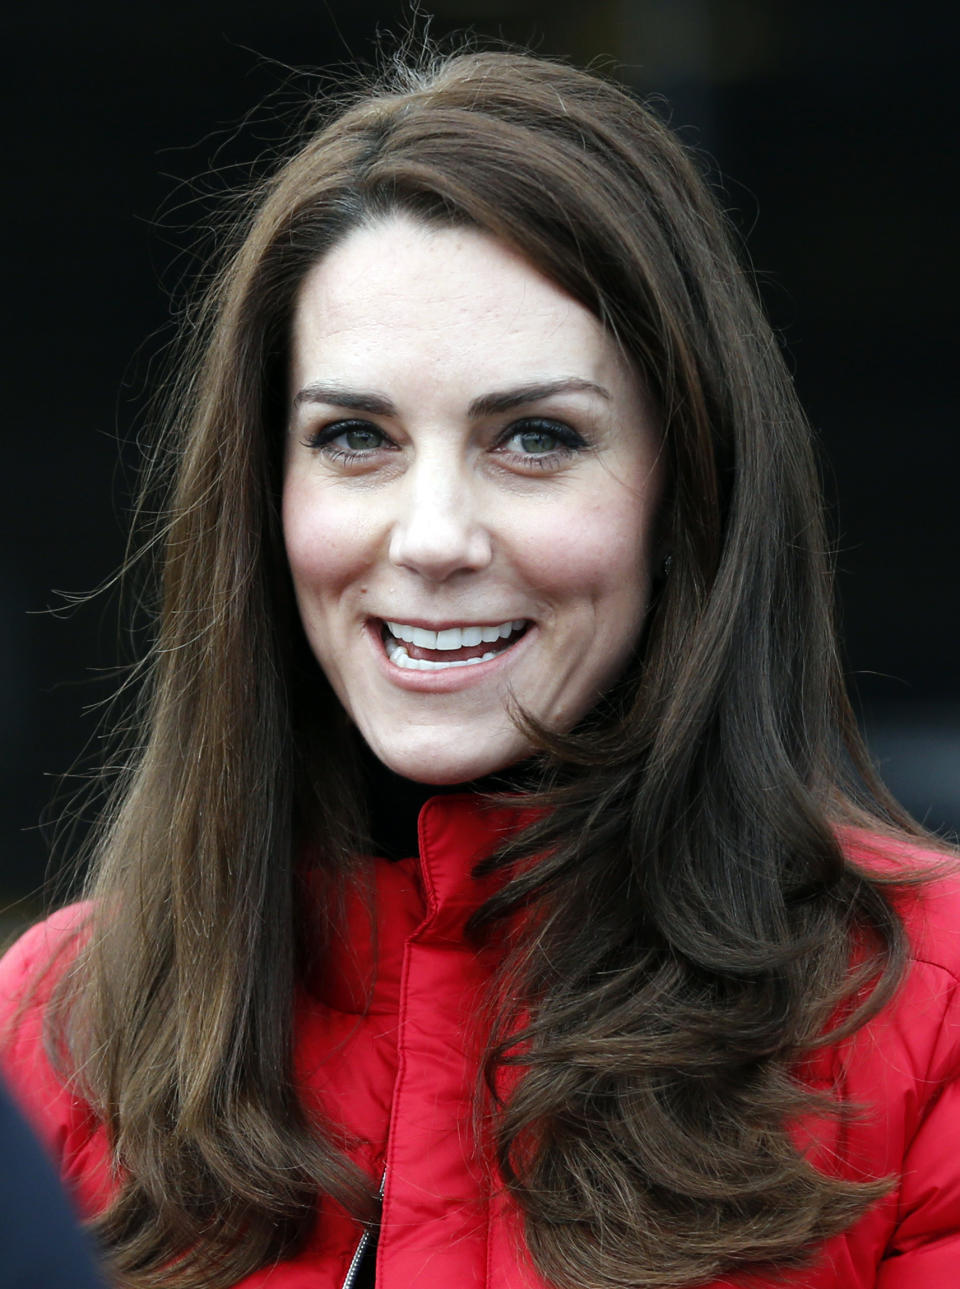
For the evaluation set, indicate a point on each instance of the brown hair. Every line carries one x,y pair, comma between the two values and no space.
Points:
693,911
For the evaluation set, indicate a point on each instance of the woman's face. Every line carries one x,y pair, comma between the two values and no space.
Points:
471,485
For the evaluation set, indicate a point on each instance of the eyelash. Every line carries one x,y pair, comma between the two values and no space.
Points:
568,440
323,439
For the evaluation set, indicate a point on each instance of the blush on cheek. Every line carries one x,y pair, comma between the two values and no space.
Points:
319,557
318,544
591,557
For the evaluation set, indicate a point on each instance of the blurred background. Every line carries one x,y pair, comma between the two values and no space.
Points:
829,130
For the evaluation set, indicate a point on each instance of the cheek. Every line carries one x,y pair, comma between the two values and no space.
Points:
598,553
323,546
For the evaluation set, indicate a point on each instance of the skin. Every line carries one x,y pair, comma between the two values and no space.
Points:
414,494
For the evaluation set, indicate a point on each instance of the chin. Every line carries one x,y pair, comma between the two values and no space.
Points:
432,765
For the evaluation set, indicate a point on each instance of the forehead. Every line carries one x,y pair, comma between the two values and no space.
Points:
402,294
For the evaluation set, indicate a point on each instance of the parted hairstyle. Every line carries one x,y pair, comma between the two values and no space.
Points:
685,915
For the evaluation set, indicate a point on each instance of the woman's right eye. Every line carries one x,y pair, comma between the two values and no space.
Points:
348,440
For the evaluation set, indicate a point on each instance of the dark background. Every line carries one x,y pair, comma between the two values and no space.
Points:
830,127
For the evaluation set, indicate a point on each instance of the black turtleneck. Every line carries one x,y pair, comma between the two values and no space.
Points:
395,803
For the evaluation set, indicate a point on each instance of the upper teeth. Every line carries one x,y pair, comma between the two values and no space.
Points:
452,637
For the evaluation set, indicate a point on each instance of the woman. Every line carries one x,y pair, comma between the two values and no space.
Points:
488,473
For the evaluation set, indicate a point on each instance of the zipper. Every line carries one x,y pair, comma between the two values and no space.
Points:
356,1259
364,1242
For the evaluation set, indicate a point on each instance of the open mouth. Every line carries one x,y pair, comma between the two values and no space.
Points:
420,649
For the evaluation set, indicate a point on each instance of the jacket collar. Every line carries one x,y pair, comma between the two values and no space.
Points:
427,897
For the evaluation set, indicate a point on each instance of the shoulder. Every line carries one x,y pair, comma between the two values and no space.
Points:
29,973
44,949
923,885
901,1071
909,1051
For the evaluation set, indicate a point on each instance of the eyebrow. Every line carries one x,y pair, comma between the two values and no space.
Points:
485,405
338,396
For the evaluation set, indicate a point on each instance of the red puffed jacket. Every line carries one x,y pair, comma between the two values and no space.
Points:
396,1066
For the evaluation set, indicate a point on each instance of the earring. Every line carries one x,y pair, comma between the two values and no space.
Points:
666,566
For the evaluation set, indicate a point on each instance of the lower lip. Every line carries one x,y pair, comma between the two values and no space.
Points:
449,679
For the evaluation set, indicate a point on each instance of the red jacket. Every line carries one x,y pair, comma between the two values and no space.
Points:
398,1075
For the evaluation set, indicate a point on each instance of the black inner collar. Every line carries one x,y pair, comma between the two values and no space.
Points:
394,803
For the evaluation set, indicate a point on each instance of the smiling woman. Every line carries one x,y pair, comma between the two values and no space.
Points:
494,481
489,476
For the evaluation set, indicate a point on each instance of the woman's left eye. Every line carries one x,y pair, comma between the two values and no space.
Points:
541,439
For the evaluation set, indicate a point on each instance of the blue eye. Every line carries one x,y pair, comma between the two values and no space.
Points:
536,440
541,438
348,439
360,438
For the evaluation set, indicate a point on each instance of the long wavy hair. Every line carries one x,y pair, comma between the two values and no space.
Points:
685,912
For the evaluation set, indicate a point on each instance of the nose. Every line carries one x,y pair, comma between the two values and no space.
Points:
438,530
